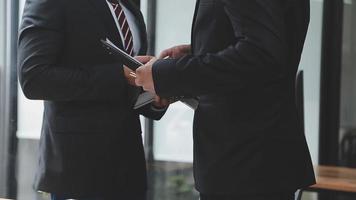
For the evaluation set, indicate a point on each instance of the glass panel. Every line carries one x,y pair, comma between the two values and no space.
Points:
29,111
3,151
173,140
28,132
348,86
2,33
310,64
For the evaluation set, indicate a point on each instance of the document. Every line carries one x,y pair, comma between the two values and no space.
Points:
145,97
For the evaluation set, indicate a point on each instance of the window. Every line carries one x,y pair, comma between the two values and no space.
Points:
7,97
3,148
311,65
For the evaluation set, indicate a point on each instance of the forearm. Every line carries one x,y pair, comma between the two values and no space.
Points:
227,70
87,83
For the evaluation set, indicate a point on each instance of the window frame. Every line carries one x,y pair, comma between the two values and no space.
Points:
8,102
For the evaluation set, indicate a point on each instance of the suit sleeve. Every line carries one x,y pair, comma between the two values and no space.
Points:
41,44
257,56
151,112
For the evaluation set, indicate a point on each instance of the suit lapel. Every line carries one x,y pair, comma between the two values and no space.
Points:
108,20
193,24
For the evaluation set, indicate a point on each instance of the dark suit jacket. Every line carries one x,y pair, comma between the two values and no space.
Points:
245,55
91,138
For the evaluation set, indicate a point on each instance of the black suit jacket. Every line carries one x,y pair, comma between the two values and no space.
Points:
91,138
247,134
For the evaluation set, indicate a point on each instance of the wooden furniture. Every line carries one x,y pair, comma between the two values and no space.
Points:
333,179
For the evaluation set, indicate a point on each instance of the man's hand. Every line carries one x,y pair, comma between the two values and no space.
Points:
129,76
160,103
176,52
144,59
144,76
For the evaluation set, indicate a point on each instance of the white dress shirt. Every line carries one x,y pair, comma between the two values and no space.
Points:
131,19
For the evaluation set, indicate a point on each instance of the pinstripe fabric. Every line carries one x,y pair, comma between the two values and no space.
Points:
124,26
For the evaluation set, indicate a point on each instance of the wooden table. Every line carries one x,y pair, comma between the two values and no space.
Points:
334,179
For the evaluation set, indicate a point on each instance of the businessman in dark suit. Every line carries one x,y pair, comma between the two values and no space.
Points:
241,65
91,145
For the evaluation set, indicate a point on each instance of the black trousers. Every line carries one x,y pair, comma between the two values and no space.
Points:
281,196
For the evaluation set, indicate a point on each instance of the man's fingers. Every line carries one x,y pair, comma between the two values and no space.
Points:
130,76
144,59
144,76
138,80
165,53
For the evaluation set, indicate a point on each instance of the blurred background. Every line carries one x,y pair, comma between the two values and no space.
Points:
328,63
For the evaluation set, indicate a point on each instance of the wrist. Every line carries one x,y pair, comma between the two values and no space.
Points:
158,107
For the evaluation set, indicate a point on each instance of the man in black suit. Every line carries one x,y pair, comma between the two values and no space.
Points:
91,144
241,65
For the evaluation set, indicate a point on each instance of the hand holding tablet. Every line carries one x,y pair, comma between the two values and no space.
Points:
145,97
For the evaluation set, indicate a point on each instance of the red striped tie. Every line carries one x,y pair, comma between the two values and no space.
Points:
124,25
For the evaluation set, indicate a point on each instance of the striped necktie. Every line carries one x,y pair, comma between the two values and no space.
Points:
124,26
